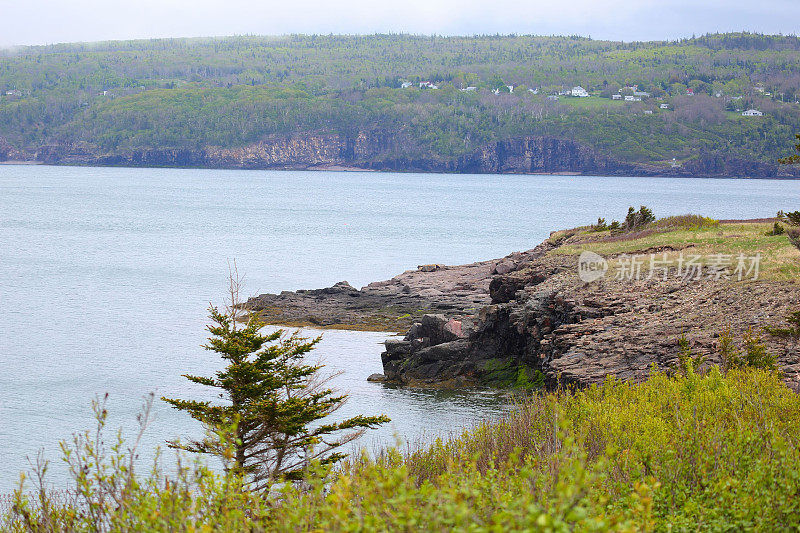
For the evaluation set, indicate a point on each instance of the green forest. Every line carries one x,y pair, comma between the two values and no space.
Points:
685,98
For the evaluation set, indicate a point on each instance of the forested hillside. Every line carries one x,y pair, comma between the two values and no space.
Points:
231,93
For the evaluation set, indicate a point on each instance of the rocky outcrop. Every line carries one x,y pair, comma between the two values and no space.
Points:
577,332
389,151
528,314
394,304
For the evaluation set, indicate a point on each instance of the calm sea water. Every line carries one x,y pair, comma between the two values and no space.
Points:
106,274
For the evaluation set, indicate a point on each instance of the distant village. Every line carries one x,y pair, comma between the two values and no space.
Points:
628,94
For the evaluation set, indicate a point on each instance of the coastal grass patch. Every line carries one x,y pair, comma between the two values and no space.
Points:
687,452
780,260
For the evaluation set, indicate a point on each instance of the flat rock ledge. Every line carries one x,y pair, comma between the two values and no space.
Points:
395,304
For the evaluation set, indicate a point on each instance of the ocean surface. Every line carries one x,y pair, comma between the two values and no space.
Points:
106,275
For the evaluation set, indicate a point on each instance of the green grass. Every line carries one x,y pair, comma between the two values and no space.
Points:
780,260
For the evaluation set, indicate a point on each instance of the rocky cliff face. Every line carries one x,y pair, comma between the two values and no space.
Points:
382,150
543,318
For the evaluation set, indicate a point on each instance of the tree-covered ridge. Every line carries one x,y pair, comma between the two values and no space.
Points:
239,90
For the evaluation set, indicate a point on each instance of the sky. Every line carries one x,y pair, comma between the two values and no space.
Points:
52,21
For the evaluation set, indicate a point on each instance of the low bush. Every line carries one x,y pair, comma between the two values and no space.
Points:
687,222
794,237
777,229
792,331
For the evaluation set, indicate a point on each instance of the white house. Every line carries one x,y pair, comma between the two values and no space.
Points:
579,92
631,98
406,84
552,97
427,85
534,91
648,111
664,106
752,113
641,94
510,88
616,97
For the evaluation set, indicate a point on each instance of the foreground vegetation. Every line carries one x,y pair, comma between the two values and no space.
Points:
686,452
236,91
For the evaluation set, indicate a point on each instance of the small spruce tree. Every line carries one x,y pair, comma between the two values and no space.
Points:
792,217
755,352
638,219
270,425
688,363
730,355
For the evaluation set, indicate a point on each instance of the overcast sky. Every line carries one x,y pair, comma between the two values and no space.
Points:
52,21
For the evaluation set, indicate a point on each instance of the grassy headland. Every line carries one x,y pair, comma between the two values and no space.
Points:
697,236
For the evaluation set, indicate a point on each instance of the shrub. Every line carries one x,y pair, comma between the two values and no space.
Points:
777,229
755,352
687,363
730,355
687,222
794,237
793,331
601,225
793,218
638,219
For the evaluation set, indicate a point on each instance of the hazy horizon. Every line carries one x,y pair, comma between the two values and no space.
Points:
38,22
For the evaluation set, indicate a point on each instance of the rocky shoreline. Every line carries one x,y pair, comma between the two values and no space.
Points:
386,151
529,316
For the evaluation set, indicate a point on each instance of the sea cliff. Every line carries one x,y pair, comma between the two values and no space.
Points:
385,151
